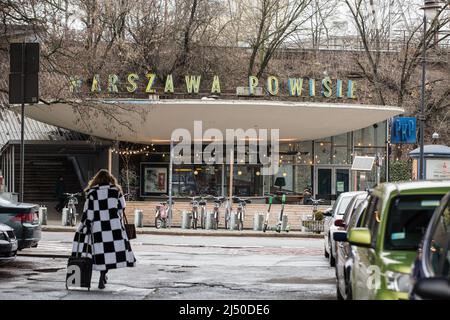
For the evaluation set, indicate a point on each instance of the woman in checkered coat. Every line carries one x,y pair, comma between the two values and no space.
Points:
101,234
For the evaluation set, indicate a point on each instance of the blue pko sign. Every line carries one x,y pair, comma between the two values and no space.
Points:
403,130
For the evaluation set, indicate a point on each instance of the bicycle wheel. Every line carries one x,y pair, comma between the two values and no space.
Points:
227,216
194,223
203,219
240,225
264,227
216,223
71,217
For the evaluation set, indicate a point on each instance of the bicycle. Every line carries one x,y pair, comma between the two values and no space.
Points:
194,213
162,214
203,212
228,209
217,203
241,212
71,203
315,204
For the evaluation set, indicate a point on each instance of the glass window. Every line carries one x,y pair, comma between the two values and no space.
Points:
408,219
439,257
373,136
322,150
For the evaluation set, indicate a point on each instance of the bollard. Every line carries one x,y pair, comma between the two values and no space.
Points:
210,220
186,220
138,218
258,221
64,216
233,220
284,223
43,215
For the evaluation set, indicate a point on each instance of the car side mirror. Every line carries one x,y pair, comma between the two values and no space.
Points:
340,236
328,213
432,288
339,223
360,237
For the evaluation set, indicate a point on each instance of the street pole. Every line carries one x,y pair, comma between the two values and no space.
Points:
422,104
170,182
22,128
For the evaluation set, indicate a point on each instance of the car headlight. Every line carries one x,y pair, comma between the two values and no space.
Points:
396,281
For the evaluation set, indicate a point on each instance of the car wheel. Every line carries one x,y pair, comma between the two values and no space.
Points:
331,259
325,253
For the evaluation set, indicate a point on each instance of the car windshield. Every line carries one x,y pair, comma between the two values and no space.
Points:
408,219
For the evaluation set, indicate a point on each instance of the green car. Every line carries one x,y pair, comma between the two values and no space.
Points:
385,241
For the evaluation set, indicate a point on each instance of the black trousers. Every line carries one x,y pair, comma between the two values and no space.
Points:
60,205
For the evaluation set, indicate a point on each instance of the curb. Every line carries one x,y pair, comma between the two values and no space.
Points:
202,233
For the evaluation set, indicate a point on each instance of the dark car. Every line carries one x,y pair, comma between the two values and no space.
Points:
24,219
8,244
344,256
431,271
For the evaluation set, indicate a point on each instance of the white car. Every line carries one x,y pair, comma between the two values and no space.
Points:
338,211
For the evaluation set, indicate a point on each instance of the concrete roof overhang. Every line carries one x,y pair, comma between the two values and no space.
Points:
153,121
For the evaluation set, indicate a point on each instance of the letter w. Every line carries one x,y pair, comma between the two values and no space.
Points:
295,86
193,83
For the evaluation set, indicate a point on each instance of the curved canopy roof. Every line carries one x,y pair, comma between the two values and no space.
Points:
432,151
146,121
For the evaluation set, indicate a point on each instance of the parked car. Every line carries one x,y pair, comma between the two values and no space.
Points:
24,219
344,257
431,271
386,243
338,211
8,244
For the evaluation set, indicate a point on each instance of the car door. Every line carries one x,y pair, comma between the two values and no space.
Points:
365,258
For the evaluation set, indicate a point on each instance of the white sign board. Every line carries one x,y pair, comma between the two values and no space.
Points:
438,169
363,163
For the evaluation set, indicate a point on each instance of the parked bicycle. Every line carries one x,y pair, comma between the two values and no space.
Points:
203,212
217,204
162,214
71,208
240,211
315,204
227,214
194,212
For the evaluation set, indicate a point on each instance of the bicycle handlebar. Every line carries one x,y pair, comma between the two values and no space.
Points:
72,194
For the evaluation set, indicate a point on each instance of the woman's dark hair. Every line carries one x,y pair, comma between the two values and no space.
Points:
103,177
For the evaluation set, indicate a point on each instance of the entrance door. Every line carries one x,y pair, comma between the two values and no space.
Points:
330,182
324,183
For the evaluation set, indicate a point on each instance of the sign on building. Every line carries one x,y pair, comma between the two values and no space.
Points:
403,130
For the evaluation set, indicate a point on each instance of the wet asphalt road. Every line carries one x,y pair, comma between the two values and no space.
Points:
182,267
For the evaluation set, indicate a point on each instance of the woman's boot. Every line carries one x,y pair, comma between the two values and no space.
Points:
102,280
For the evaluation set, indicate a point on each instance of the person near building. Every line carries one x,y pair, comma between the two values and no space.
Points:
101,233
307,194
60,189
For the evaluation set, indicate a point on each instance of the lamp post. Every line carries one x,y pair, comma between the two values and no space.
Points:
430,9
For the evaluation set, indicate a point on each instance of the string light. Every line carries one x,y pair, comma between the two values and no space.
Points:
127,151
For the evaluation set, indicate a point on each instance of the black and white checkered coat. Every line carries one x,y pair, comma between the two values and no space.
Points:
101,234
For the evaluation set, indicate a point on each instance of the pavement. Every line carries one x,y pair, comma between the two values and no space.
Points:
181,267
201,232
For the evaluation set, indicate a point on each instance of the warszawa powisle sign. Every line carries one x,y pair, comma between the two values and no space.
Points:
296,87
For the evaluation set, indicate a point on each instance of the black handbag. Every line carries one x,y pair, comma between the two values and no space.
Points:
79,270
130,228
